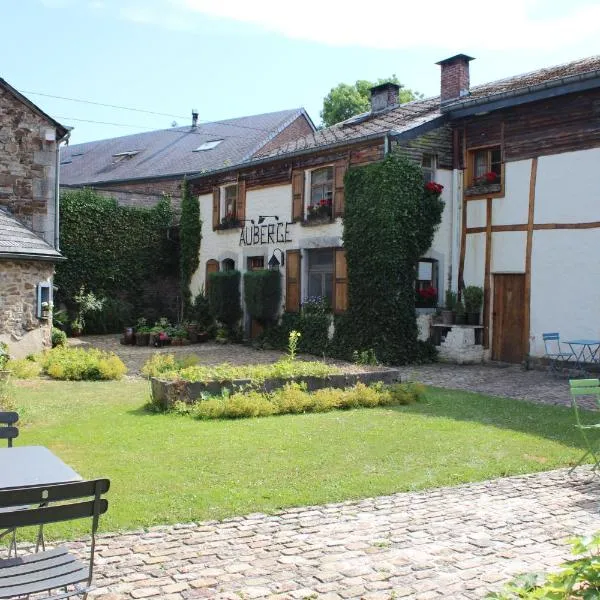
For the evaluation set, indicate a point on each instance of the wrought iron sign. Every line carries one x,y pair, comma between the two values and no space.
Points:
265,233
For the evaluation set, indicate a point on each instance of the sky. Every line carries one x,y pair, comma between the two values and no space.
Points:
230,58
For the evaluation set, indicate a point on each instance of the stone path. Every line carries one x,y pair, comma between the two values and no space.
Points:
456,542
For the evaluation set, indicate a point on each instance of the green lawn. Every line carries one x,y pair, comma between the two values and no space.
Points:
167,468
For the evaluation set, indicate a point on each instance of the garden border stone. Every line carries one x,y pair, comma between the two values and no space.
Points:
166,392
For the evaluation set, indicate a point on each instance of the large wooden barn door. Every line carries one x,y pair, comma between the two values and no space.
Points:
508,318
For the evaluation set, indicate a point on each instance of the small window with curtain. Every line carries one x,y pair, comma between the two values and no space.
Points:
484,170
321,194
428,164
256,263
229,201
426,284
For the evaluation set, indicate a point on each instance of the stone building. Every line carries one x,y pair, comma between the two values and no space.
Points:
29,240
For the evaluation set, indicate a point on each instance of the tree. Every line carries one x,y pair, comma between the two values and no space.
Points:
345,100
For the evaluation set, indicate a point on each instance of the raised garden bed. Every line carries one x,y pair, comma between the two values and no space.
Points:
166,392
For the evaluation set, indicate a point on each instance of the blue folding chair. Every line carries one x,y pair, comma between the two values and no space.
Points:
590,388
554,352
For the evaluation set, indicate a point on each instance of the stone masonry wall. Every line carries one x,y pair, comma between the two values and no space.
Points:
19,326
27,166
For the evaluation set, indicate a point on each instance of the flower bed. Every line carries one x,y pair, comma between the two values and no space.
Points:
191,383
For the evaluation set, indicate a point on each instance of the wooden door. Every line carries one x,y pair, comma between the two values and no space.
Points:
508,318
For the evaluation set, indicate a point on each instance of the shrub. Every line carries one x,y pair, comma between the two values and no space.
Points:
313,328
473,296
579,578
200,313
224,297
7,401
4,356
24,368
262,294
59,337
78,364
159,363
112,317
294,399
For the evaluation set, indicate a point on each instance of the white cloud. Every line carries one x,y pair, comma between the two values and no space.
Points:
395,24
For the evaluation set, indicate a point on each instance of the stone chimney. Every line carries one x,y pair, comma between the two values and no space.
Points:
383,96
194,117
455,77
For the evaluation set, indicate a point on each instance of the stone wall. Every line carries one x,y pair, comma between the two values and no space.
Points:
27,165
19,326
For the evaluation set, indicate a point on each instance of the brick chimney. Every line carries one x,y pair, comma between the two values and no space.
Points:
384,95
455,77
194,117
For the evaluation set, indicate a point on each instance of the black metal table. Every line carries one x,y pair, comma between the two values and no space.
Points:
22,466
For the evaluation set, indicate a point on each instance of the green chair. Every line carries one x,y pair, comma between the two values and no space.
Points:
586,387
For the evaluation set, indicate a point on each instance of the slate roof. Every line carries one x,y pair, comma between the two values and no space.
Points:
169,152
16,241
408,116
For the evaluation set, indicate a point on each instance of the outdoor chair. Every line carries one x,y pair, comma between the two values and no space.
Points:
554,353
8,431
590,388
56,569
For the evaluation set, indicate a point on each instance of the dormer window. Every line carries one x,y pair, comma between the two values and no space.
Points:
121,156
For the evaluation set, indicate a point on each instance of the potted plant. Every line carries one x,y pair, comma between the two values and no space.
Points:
473,300
142,332
448,312
460,313
47,310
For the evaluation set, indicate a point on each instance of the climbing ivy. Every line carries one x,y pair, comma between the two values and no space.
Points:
112,250
190,236
389,223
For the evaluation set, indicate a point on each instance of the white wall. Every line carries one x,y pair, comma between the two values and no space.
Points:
508,252
514,207
476,213
474,269
277,200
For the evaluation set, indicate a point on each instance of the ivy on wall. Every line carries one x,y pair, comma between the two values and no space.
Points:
112,250
389,223
190,236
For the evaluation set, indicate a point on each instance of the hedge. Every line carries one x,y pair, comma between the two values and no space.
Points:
224,297
262,294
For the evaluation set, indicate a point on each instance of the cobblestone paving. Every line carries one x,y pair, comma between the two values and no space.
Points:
457,542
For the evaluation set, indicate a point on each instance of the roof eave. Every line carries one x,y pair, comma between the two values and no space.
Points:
533,93
288,155
28,256
418,130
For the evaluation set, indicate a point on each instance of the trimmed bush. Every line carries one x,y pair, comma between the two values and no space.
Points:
160,363
59,337
294,399
262,294
313,327
224,297
77,364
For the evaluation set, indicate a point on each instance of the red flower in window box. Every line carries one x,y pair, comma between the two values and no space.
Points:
427,296
487,178
433,187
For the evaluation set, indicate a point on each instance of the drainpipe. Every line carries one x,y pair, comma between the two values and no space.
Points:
455,240
65,139
386,144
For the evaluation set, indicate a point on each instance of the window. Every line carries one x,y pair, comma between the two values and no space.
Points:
255,263
485,167
230,197
427,282
320,274
321,193
428,164
207,146
228,264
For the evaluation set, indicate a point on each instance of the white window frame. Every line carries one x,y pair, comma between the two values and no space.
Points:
432,170
308,186
223,200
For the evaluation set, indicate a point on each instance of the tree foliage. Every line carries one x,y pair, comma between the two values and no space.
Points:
346,100
190,236
389,223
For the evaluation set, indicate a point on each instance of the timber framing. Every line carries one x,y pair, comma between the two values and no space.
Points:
528,248
535,227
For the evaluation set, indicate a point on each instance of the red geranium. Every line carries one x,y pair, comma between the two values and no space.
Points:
433,187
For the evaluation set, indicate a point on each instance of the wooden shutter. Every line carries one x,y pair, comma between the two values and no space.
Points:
340,281
292,281
297,195
212,266
216,216
338,193
240,202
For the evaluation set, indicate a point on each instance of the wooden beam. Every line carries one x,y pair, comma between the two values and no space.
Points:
536,227
463,245
486,279
528,248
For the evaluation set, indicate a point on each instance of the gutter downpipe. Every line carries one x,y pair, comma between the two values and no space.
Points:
65,139
455,239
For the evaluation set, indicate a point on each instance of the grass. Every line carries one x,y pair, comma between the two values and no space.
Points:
168,469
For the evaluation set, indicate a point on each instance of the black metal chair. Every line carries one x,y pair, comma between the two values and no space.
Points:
8,431
56,569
